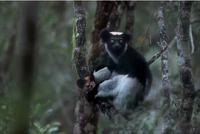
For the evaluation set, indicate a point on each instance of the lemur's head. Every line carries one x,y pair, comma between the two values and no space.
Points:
115,42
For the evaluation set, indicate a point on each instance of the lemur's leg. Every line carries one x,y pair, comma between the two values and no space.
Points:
128,89
107,88
111,87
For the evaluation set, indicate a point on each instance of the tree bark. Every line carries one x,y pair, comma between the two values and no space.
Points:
185,70
102,15
164,57
108,14
25,68
79,51
116,15
157,55
85,112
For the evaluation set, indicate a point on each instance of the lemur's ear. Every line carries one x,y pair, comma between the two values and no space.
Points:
105,35
127,37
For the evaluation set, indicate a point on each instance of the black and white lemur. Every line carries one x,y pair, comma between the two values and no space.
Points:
126,78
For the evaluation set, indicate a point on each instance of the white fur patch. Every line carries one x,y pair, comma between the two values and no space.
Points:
116,33
127,90
114,58
110,54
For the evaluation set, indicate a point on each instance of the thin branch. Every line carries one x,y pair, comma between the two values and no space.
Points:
191,39
195,21
157,55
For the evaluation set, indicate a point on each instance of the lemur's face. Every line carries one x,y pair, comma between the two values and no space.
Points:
115,41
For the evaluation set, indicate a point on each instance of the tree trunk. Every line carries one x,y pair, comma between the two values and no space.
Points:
108,14
79,51
102,15
164,57
164,63
184,62
25,68
116,15
85,113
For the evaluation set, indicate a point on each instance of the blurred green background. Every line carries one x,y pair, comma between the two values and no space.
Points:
55,90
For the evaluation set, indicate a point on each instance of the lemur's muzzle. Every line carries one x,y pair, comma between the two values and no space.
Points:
117,46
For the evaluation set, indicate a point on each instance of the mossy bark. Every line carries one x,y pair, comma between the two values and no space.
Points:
85,113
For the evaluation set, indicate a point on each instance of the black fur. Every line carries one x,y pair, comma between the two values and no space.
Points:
132,62
124,60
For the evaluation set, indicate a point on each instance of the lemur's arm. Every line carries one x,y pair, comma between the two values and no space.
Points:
98,77
102,75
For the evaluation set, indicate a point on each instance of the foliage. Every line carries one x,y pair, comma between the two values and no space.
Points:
47,129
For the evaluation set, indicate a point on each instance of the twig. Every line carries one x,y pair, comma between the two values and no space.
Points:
191,39
195,21
156,56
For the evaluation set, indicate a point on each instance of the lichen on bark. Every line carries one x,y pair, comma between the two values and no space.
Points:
85,112
164,57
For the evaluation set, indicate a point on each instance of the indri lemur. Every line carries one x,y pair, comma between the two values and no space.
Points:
126,76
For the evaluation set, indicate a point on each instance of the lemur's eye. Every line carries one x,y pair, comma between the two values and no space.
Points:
112,41
120,41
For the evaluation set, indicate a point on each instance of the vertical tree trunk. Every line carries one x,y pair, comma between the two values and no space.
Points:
164,57
116,15
85,113
25,68
184,61
108,14
164,62
102,15
79,51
